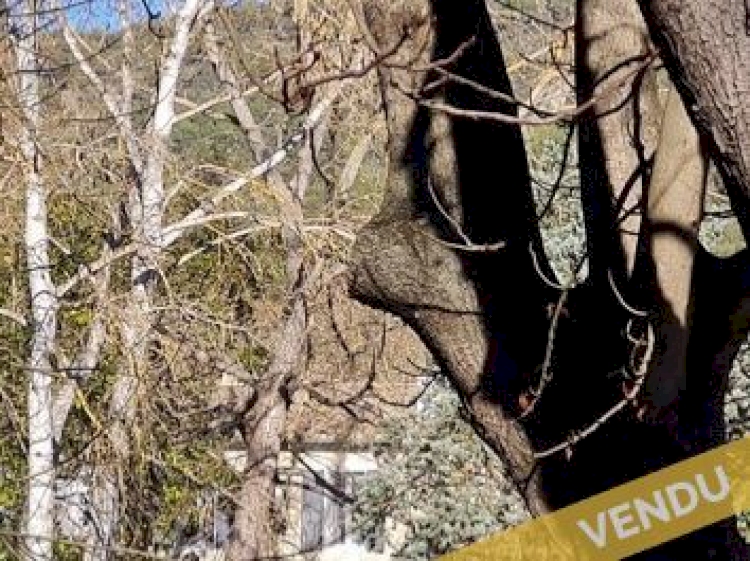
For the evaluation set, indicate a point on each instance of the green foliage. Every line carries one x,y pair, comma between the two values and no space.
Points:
212,140
67,552
254,358
555,183
437,478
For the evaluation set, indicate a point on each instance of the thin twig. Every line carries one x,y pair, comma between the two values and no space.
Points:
542,276
621,300
468,245
475,248
86,271
452,221
546,376
565,115
501,96
630,396
15,316
380,60
441,63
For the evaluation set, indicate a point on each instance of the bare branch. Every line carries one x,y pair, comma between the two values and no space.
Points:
621,300
546,376
113,105
174,231
562,116
468,245
86,270
15,316
630,397
538,269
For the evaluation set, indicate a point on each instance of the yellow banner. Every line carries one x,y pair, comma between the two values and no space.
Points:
633,517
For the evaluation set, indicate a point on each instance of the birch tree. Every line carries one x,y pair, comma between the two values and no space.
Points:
97,284
148,153
147,150
24,26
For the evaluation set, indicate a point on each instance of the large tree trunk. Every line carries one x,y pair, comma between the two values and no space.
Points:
481,313
618,135
674,210
666,278
706,46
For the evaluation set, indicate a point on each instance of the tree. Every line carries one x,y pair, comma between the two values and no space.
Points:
24,21
146,207
124,360
178,264
456,251
193,182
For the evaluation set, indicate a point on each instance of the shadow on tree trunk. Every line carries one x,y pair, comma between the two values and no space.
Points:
485,315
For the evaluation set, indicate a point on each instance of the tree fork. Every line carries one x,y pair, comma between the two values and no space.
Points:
482,314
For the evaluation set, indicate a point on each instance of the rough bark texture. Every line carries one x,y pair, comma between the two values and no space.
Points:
484,315
698,331
481,315
253,534
707,48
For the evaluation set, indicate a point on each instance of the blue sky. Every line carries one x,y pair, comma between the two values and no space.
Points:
101,15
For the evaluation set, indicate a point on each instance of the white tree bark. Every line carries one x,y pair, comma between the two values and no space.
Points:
351,170
175,230
147,214
147,151
40,500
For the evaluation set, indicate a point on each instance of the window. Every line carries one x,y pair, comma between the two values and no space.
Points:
319,513
323,514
